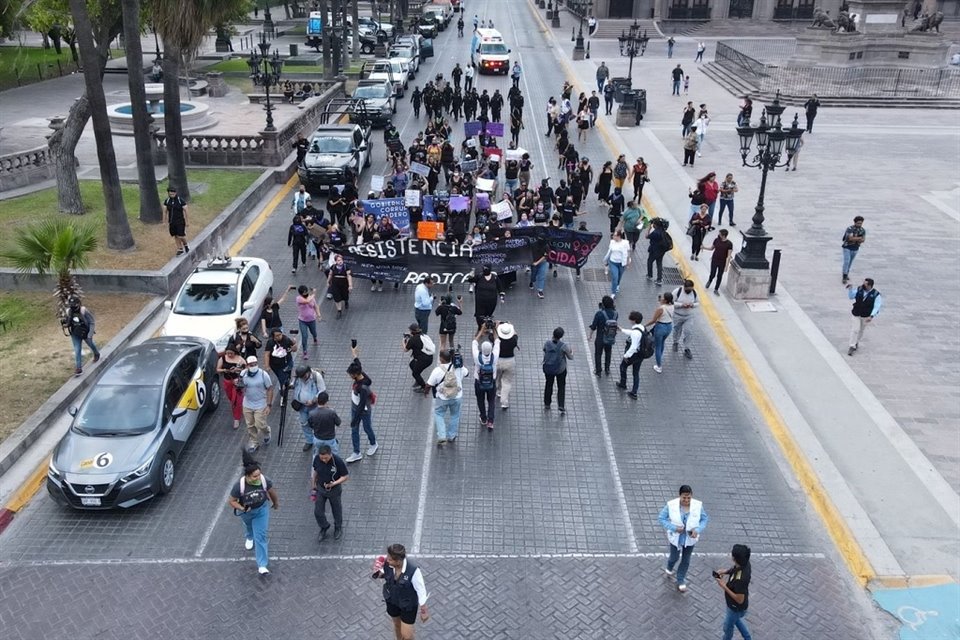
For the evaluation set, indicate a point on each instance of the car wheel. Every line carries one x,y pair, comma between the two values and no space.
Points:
366,161
167,474
366,49
214,393
394,107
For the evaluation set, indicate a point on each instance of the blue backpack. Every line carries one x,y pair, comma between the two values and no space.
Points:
485,373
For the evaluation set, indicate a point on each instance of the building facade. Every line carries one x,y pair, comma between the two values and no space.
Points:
704,10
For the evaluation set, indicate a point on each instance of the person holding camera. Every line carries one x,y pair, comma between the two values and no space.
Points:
278,356
244,340
327,478
446,380
403,590
485,353
78,323
307,384
736,591
684,519
257,399
421,349
660,243
230,366
249,497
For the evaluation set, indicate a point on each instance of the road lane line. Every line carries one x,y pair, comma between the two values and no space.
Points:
578,310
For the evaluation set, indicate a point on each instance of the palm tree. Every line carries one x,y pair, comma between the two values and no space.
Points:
182,24
119,236
150,211
58,245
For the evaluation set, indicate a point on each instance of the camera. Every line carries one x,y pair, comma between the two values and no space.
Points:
457,358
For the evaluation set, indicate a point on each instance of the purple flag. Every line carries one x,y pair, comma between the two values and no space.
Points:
473,129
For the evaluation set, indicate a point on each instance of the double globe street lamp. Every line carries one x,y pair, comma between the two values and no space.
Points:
265,71
633,43
771,141
579,53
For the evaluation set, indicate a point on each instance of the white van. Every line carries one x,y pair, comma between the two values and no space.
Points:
488,52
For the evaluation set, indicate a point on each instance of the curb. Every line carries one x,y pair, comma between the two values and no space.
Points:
33,427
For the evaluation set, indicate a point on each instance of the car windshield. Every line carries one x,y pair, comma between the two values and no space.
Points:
401,52
495,48
373,91
119,410
198,299
330,144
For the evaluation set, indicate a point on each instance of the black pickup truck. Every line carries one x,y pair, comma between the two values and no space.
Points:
335,153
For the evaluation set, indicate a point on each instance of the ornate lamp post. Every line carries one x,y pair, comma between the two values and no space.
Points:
578,49
267,18
771,140
633,44
265,70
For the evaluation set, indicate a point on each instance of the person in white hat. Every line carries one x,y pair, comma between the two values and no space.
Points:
257,399
506,362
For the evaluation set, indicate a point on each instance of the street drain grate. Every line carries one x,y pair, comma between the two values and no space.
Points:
671,275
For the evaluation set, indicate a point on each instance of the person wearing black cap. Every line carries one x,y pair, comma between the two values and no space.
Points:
736,591
362,400
421,350
175,215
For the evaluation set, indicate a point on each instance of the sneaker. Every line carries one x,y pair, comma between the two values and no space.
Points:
354,457
483,422
531,286
179,252
96,357
372,449
732,223
676,346
337,533
373,287
659,283
186,249
307,447
248,544
632,395
688,354
540,294
649,276
293,270
621,385
504,407
669,572
562,409
329,296
470,290
554,273
263,571
850,351
77,371
380,288
658,369
323,533
441,442
716,292
682,588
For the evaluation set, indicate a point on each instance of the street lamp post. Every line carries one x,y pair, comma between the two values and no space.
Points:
267,18
632,43
578,50
265,71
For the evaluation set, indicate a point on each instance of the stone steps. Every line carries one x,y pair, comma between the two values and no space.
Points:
740,87
611,29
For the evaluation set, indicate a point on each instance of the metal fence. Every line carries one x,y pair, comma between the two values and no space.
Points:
835,82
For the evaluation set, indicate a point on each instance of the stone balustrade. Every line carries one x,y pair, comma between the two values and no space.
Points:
24,168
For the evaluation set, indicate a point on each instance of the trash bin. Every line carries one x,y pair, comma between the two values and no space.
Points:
620,86
294,49
636,98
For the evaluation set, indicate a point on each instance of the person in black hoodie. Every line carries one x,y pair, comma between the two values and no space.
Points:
487,292
297,237
362,400
484,102
416,98
496,105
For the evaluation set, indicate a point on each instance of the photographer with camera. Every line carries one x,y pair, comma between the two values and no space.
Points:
660,244
421,349
486,350
446,381
78,323
736,591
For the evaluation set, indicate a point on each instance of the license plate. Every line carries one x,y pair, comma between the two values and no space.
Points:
90,502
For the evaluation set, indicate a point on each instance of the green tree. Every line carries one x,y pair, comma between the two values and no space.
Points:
56,245
182,24
150,211
119,236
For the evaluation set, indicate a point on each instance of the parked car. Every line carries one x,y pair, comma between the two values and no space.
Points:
369,24
215,294
130,430
428,26
442,12
406,53
415,40
375,103
334,153
426,47
386,70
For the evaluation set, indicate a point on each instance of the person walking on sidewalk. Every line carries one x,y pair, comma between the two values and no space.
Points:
617,260
175,214
670,44
728,188
736,591
485,356
701,47
677,76
810,108
697,230
638,347
327,478
249,497
662,323
685,302
421,349
257,399
78,323
853,239
308,383
866,305
362,400
608,96
686,121
639,178
632,222
515,74
556,352
423,302
605,328
720,260
603,72
403,590
690,146
660,244
230,367
446,380
308,313
684,520
506,362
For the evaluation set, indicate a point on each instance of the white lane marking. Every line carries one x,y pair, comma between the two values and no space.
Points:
601,412
953,213
427,556
422,498
213,523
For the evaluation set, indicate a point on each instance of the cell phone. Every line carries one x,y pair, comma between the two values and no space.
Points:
715,574
353,343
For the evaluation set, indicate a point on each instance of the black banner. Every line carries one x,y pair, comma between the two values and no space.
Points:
567,247
407,260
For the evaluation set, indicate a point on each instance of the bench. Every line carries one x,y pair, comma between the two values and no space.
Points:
198,88
261,98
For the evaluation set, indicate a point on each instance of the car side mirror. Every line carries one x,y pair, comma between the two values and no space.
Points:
73,411
168,304
508,50
177,414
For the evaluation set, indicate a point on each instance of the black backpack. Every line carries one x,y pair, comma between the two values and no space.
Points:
77,323
610,329
666,242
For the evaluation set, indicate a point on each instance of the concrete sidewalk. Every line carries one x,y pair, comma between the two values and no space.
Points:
902,512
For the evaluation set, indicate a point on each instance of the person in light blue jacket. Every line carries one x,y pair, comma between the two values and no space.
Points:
684,519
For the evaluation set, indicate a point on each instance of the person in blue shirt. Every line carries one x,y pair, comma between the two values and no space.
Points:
423,302
866,305
684,519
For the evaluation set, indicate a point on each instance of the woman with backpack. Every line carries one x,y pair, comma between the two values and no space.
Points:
556,352
662,323
605,327
307,385
639,347
485,356
446,380
448,310
421,350
249,498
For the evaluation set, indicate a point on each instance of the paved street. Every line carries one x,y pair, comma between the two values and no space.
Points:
545,528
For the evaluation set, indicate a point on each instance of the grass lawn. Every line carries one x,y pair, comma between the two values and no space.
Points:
212,190
23,61
240,64
40,357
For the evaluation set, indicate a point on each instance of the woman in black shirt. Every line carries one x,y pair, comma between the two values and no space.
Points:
505,362
736,591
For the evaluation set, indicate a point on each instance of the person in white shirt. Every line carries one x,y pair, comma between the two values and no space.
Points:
468,78
403,590
617,260
702,122
684,519
446,380
300,200
632,357
485,355
423,302
684,302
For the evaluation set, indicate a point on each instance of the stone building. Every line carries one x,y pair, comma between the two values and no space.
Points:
704,10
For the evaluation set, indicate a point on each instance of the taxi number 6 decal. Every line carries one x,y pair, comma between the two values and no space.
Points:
201,392
103,460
